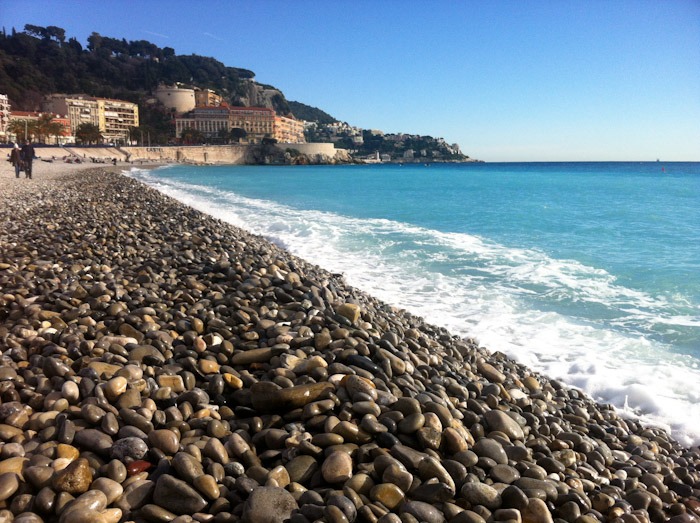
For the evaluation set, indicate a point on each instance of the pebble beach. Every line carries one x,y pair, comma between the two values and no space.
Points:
160,365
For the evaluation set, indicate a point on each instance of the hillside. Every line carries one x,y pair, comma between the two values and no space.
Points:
42,60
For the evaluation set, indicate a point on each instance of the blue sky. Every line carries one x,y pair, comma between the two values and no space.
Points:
507,80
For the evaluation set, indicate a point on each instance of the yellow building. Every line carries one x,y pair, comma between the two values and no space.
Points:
206,98
257,122
289,130
114,118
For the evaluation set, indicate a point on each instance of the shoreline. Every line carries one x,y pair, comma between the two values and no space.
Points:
210,348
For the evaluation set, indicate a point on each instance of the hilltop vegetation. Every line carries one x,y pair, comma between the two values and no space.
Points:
40,61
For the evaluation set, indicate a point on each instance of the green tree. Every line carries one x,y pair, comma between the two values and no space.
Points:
21,129
88,133
191,136
45,127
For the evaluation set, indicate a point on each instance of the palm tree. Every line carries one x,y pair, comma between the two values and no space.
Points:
45,127
22,129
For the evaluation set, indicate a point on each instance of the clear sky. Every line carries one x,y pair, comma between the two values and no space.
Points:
509,80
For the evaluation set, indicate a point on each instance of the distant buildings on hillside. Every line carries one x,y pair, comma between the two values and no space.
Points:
204,111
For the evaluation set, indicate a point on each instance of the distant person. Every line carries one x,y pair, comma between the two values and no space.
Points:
16,159
27,158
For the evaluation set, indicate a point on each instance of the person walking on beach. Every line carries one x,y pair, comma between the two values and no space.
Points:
27,158
16,159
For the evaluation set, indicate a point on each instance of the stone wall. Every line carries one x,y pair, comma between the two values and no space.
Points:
229,154
236,154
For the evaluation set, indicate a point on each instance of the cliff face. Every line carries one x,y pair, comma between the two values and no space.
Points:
258,95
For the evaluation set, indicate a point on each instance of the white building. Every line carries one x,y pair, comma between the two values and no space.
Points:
4,117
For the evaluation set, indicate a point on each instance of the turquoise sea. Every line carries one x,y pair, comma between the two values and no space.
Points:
587,272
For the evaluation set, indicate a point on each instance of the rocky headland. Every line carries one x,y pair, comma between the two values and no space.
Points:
160,365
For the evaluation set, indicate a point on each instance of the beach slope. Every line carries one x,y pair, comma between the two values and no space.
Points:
161,365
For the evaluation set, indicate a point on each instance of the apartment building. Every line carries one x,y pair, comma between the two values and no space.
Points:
114,118
289,130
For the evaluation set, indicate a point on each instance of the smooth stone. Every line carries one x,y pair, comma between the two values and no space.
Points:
347,505
90,500
469,516
280,476
514,497
215,450
75,478
411,423
333,514
350,311
301,469
155,513
116,470
177,496
128,449
104,369
497,420
135,495
504,474
206,484
44,500
267,398
81,516
490,448
547,487
187,466
208,366
9,483
143,351
94,440
389,495
115,387
175,382
337,467
490,372
431,467
14,465
39,476
481,494
111,489
423,511
536,512
165,440
261,355
268,505
399,476
70,391
67,452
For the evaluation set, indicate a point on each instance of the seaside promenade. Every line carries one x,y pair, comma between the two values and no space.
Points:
161,365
